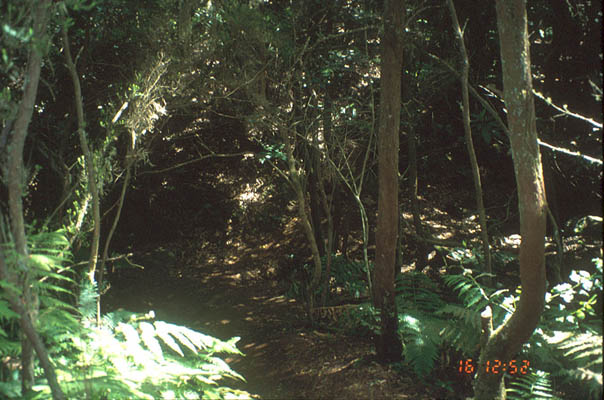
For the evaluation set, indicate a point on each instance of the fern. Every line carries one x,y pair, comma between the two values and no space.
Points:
470,291
138,357
422,341
582,360
415,291
585,349
9,345
536,385
462,327
129,356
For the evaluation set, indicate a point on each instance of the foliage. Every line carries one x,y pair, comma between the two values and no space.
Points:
421,340
489,130
536,385
347,275
347,279
129,356
362,320
415,291
133,355
568,342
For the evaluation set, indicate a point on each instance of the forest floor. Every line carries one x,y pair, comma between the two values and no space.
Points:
229,283
229,289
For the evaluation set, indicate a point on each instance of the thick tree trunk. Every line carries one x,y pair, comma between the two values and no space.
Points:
388,343
508,339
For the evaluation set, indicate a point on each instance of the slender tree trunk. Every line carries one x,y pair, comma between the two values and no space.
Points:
26,305
326,201
96,213
184,25
507,340
482,216
422,249
294,179
126,183
388,343
315,198
15,183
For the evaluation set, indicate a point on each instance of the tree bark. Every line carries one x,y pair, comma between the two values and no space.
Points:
388,343
508,339
294,179
326,201
96,213
15,181
26,304
465,95
421,259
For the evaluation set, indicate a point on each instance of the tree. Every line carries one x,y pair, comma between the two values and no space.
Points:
507,340
465,95
88,155
25,300
388,343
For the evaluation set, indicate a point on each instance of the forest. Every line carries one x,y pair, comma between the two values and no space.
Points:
301,199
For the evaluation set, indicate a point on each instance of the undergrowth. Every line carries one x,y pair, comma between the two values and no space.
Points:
129,355
565,352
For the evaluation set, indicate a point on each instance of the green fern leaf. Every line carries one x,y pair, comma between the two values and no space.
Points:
163,331
148,337
536,385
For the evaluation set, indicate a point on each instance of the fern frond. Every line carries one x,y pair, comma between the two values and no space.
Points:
422,340
469,291
416,291
536,385
583,347
467,315
6,312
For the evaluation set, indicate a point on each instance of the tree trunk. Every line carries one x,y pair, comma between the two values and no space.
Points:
465,95
421,259
96,213
314,198
507,340
27,304
15,182
294,179
130,157
326,201
388,343
32,336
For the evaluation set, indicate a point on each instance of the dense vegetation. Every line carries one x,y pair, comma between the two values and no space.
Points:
163,134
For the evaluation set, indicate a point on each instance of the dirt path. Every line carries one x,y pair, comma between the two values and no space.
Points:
284,357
